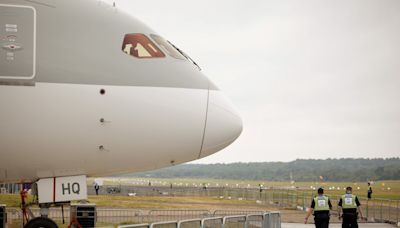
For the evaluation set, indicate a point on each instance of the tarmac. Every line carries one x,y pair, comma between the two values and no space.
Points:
338,225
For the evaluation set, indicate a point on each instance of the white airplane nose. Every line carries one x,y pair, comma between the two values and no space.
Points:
223,125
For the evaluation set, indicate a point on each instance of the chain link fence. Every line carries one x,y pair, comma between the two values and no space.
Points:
375,210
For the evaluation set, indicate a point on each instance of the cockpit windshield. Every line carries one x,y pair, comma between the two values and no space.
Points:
186,56
167,47
171,49
140,46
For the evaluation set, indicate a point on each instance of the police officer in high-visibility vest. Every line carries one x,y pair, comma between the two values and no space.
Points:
350,207
320,205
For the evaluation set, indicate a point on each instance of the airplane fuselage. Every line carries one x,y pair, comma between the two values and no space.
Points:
73,102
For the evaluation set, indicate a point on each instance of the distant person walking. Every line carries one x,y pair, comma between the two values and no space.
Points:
96,188
369,191
320,205
350,207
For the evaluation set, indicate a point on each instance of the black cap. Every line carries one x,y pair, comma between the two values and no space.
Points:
320,190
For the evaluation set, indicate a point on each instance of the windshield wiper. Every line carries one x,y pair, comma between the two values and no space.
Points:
186,56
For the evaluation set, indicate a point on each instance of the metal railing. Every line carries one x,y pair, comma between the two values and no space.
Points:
189,223
135,226
127,216
214,222
265,220
10,188
256,220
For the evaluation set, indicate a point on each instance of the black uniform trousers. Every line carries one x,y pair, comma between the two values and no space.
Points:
349,220
321,220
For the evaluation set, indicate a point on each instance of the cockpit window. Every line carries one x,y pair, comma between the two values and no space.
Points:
186,56
172,50
167,47
140,46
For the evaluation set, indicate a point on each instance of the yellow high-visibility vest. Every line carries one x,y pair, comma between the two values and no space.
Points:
321,203
349,201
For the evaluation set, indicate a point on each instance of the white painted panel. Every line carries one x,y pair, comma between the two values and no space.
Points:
71,188
65,189
45,190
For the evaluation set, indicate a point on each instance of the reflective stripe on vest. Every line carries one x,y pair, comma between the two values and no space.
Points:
349,201
321,203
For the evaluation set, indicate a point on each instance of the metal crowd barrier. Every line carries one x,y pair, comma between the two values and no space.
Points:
168,224
266,220
189,223
255,220
215,222
182,218
234,221
272,220
135,226
10,188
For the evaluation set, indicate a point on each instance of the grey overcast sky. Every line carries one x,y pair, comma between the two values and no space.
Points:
311,78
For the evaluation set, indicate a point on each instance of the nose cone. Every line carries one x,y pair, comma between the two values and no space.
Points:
223,125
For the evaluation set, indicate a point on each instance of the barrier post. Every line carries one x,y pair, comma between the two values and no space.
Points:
390,205
267,220
374,209
397,213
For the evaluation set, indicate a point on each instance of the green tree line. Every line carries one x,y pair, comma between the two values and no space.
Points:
299,170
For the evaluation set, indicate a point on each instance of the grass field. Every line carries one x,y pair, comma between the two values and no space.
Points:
163,202
151,202
381,189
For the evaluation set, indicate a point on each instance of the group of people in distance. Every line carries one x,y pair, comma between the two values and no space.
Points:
349,209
